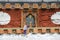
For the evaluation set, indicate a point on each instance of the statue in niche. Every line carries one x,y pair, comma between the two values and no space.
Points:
30,20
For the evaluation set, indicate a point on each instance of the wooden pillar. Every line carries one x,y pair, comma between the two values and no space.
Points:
43,30
35,20
35,30
1,31
22,19
52,30
9,31
18,31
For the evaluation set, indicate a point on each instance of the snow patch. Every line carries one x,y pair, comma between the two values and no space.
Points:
30,36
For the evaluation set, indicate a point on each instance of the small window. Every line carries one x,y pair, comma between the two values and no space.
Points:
39,30
57,30
48,30
14,30
5,31
30,30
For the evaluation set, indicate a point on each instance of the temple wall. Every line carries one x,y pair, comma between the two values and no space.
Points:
42,13
44,18
15,18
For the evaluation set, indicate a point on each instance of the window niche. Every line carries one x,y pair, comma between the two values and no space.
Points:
31,30
6,31
48,30
30,20
14,31
39,30
57,30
